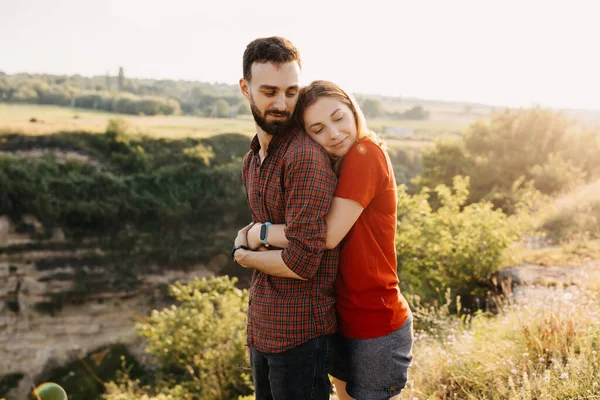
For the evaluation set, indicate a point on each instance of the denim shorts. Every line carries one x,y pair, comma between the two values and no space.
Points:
374,369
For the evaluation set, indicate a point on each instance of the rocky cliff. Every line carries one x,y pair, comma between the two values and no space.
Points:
60,301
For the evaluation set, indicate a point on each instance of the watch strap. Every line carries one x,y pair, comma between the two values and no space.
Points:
236,248
263,233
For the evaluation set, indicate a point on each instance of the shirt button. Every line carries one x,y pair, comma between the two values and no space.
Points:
392,387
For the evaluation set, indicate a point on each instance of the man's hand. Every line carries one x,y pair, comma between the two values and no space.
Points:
253,235
242,236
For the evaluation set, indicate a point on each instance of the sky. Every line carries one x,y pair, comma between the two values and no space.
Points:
508,53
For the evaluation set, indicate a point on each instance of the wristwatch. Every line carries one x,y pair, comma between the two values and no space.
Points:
236,248
263,233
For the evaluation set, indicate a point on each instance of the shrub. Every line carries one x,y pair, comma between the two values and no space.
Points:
199,343
515,146
454,247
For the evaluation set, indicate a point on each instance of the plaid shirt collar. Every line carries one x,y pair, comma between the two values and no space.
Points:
276,141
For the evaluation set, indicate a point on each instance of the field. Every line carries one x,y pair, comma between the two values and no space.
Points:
50,119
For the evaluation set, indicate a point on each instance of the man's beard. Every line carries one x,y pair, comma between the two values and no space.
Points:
274,128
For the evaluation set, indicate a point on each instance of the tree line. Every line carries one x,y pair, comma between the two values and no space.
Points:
119,94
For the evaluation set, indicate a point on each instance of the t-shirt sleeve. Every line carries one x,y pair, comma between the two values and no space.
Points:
363,173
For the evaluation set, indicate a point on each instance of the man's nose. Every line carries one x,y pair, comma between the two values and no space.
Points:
280,103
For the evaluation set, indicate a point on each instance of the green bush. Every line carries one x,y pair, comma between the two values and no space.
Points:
456,247
513,148
557,175
441,164
406,163
158,200
221,109
244,109
199,343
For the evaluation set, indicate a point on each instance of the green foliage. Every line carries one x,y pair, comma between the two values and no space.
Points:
406,163
372,107
134,96
83,378
221,109
514,148
10,381
199,343
440,165
244,109
457,247
557,175
157,200
416,113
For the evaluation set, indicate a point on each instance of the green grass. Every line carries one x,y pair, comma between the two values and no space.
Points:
543,347
14,118
52,119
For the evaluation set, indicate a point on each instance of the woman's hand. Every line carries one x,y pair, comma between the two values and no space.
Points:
254,242
242,236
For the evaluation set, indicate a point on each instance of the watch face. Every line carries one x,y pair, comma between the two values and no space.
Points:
263,232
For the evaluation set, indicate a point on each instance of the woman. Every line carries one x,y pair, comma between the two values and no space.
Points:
374,320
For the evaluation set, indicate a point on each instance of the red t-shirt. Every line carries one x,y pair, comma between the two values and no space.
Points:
368,300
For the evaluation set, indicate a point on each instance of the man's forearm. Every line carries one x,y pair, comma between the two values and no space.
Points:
268,262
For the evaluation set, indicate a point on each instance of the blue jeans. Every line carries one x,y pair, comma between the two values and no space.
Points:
300,373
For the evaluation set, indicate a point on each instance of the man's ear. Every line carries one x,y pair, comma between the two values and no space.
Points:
245,88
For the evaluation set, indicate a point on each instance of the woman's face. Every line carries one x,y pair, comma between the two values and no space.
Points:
330,123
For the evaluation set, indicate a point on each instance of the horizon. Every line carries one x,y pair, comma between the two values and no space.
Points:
507,55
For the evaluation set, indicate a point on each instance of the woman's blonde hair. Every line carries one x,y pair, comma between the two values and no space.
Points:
310,94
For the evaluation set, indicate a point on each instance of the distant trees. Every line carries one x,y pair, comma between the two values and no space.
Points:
501,156
134,96
414,113
372,108
221,109
117,93
244,109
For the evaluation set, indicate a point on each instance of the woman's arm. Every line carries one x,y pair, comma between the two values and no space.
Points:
342,215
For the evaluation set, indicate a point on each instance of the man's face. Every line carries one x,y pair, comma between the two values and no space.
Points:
273,94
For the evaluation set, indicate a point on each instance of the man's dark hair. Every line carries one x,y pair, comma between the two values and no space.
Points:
275,49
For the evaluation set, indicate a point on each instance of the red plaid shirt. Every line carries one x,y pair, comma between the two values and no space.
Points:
293,186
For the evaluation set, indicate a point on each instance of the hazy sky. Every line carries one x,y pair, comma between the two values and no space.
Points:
513,53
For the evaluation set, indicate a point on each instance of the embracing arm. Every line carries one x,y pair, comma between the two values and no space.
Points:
364,172
342,215
309,186
268,262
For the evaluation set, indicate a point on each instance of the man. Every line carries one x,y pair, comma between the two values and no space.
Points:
288,180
